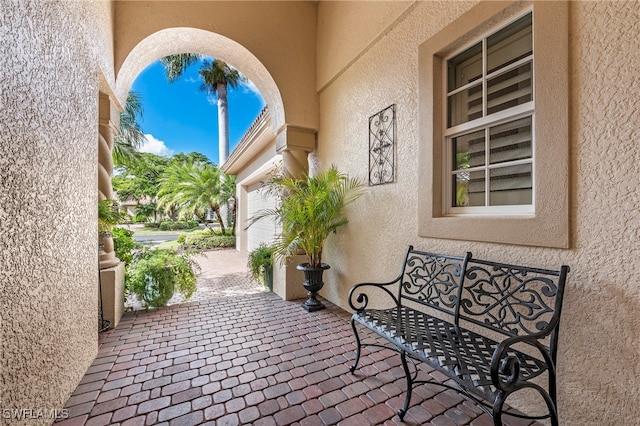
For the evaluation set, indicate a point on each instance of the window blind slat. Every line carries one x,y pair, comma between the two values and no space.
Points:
511,155
493,104
511,140
500,85
522,182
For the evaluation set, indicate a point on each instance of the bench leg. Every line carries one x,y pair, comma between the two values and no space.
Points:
497,409
358,346
553,411
407,373
499,403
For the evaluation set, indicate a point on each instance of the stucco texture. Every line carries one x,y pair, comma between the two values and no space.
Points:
598,369
48,199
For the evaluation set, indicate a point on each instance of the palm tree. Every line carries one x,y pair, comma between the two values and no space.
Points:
192,187
130,135
217,75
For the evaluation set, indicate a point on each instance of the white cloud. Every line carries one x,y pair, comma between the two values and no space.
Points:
212,100
155,146
249,86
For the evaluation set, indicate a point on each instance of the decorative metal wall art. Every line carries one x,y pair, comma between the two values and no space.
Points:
382,138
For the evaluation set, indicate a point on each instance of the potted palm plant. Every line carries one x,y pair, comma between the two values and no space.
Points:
310,208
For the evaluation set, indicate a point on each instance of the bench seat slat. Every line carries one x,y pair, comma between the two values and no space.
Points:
461,354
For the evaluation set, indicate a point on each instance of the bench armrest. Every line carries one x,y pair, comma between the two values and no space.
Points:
358,300
503,364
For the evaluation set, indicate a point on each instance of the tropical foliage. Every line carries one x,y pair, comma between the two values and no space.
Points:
140,180
217,75
123,244
146,210
191,187
130,135
176,65
260,262
108,215
310,208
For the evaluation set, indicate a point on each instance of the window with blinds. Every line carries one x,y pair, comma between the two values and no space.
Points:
488,136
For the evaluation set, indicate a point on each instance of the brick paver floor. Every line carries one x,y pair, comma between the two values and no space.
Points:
237,356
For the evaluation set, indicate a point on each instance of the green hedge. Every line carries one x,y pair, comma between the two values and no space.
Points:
168,225
206,240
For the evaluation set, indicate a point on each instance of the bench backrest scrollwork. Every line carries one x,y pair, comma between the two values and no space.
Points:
508,299
512,300
432,279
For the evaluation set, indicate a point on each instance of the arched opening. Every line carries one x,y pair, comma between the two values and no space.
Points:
291,142
179,40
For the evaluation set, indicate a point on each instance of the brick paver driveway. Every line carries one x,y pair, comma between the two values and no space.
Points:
241,356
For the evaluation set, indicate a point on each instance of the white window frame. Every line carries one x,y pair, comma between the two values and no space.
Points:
546,221
485,123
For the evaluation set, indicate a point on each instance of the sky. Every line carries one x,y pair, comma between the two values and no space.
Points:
179,117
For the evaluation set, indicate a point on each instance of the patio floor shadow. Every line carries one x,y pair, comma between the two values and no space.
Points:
235,356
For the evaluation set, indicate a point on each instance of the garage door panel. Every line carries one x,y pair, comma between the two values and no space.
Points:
264,230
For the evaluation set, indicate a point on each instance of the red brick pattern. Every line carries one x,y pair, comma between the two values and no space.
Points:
240,357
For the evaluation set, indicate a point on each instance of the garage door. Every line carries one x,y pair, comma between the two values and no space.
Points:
265,229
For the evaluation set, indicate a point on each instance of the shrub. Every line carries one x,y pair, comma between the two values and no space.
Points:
206,240
123,244
218,231
260,263
154,276
152,225
169,225
140,218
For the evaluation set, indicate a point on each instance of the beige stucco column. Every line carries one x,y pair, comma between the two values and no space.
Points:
294,143
108,121
111,269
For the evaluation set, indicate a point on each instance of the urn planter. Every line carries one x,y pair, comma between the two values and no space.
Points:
312,283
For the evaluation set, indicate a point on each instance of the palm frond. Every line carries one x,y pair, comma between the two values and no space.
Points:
216,73
176,65
130,135
309,210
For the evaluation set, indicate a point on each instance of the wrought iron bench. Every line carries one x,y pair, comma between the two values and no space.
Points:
490,327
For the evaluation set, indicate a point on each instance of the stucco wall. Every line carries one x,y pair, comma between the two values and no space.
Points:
340,43
48,198
598,364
